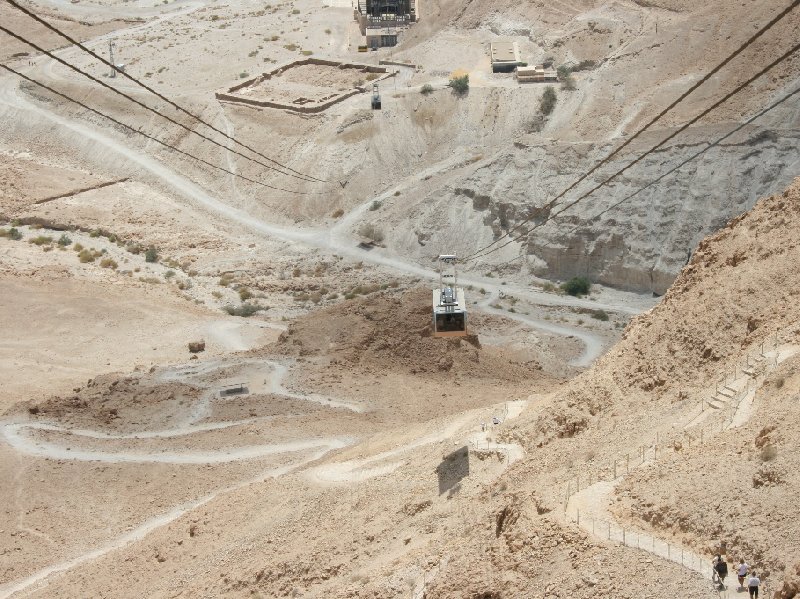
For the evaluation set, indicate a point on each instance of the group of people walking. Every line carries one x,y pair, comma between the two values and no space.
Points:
743,573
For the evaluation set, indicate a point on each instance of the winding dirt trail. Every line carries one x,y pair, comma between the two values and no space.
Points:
589,507
272,373
330,241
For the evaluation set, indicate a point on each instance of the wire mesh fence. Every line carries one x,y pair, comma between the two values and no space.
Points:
711,416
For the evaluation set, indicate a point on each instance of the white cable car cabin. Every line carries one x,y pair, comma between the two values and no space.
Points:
449,304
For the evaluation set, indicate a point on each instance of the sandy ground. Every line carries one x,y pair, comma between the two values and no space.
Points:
327,445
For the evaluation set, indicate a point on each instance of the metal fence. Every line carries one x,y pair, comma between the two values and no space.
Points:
711,416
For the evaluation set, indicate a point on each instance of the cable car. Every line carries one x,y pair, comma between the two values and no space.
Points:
449,304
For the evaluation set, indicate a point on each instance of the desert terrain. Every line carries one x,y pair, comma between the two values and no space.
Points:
220,374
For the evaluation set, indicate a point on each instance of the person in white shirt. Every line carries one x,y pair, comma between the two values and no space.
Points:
741,571
752,585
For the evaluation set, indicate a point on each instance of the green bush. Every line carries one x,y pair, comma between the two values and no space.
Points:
375,205
460,85
548,101
151,255
64,241
41,240
426,89
600,315
12,233
244,310
576,286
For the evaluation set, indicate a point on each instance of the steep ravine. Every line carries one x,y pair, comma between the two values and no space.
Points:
640,245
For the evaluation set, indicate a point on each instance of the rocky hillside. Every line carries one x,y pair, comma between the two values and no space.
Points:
735,494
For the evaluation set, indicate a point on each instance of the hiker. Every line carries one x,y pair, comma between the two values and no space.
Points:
753,584
741,572
720,569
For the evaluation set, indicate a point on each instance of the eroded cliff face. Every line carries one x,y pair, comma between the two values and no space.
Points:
639,243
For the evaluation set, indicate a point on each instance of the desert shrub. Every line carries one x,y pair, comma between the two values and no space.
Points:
338,213
41,240
108,263
534,124
333,296
244,75
244,310
371,76
426,90
370,231
768,453
563,72
296,272
184,285
64,241
134,248
86,255
569,83
375,205
169,274
316,297
459,85
95,233
12,233
600,315
245,294
151,255
77,247
584,65
216,294
226,279
548,100
576,286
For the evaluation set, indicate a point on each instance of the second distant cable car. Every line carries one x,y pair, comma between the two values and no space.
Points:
449,304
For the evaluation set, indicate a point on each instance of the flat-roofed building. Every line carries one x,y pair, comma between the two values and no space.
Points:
504,56
536,74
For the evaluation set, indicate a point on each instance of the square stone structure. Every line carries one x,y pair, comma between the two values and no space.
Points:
504,56
310,85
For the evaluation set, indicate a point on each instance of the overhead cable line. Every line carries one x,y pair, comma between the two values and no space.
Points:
682,164
143,105
681,98
138,132
54,29
552,215
694,156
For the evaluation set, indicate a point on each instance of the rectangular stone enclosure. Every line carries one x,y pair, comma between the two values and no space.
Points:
308,85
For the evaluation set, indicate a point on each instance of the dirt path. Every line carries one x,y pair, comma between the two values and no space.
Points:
588,508
321,238
140,532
